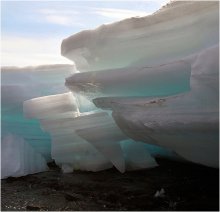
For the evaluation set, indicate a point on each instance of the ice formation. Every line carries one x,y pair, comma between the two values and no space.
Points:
19,158
186,123
159,76
154,85
87,141
18,85
172,33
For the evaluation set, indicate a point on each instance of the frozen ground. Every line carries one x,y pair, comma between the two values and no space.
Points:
187,187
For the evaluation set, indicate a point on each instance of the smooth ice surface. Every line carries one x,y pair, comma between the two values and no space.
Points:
50,106
171,78
18,158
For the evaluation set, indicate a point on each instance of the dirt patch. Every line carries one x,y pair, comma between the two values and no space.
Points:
186,187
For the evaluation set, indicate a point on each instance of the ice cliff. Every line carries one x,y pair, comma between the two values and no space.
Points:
142,87
159,76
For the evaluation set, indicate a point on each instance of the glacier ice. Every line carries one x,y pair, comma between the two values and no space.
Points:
186,123
173,32
161,80
18,158
140,88
86,141
20,84
159,76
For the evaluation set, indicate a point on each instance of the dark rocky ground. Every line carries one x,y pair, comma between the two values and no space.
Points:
187,187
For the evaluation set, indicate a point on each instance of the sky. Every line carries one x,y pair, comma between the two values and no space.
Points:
32,31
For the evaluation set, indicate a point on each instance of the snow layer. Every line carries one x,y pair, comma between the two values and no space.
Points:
175,31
